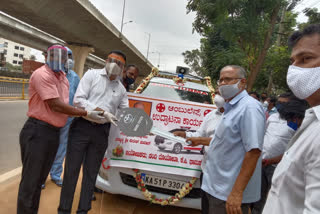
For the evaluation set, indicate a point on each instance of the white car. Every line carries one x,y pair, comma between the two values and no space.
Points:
120,180
170,145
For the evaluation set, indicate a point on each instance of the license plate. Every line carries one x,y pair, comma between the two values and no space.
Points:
165,183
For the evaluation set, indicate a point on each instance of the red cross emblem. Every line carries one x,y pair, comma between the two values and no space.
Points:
206,112
161,107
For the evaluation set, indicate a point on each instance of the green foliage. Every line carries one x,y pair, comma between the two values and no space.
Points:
277,62
245,32
313,17
13,67
193,59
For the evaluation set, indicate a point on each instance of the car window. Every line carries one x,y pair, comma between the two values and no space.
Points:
175,92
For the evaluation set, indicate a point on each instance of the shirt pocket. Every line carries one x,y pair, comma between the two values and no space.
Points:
116,98
220,129
280,174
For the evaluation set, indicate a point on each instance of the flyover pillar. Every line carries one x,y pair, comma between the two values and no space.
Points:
80,53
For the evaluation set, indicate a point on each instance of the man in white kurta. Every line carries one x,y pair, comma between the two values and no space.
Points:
296,180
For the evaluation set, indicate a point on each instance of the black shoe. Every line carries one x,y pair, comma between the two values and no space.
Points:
97,190
93,197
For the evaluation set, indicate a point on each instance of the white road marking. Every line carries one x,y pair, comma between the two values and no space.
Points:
10,174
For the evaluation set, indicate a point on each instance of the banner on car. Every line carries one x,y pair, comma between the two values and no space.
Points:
154,153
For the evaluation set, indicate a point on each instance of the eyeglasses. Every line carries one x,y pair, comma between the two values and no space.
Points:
226,80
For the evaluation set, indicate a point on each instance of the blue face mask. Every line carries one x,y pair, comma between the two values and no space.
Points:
279,106
293,125
129,80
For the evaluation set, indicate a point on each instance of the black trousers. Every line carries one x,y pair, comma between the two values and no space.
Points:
87,144
266,181
39,143
204,199
217,206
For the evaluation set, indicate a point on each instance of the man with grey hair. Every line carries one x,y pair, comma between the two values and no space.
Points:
232,177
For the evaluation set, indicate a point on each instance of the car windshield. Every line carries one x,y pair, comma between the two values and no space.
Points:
175,92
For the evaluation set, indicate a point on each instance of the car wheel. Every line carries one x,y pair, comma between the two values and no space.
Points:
177,148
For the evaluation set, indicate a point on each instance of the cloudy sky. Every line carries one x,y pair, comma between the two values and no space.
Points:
167,22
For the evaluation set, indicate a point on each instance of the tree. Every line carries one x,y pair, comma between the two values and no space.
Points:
194,60
313,17
249,25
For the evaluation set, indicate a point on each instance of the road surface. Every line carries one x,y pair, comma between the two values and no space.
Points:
12,118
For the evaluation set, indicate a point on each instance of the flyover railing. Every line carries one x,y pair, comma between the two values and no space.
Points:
13,88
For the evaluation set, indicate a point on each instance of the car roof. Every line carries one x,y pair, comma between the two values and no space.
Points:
188,84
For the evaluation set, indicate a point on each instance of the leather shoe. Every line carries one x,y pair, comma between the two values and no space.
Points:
93,197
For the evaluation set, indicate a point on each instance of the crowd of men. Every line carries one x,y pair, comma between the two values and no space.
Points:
262,153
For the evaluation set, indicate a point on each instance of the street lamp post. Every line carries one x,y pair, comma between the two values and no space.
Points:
124,6
148,44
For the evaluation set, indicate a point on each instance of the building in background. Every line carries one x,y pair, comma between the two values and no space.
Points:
13,52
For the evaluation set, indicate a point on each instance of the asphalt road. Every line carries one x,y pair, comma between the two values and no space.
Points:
12,118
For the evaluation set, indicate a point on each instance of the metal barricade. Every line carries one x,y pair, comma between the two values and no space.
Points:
13,88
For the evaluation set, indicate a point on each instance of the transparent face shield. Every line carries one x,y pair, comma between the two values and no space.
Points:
57,58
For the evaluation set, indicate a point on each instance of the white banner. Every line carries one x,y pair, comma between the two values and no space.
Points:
155,153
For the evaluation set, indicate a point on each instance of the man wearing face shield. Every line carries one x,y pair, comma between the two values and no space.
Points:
129,76
100,90
232,174
295,184
39,138
73,79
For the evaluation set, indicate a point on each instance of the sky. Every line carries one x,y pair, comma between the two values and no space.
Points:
167,23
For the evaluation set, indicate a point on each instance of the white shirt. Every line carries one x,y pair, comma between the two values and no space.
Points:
207,129
276,137
97,90
296,180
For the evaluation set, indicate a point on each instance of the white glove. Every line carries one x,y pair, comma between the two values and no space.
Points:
110,118
95,115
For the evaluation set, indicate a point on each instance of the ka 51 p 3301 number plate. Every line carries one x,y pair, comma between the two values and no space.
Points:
165,183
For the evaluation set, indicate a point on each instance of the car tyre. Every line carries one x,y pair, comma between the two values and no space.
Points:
177,148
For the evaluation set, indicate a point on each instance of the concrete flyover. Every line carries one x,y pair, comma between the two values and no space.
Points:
17,31
79,24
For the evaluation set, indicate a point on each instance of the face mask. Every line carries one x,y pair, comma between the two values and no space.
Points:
219,101
70,64
228,91
113,69
303,82
293,125
279,106
129,80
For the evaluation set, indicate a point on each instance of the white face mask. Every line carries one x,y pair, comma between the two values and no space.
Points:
70,64
228,91
113,69
303,82
219,101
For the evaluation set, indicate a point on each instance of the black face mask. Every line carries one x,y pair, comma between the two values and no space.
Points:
129,80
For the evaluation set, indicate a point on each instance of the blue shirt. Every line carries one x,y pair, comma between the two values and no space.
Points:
240,130
74,80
